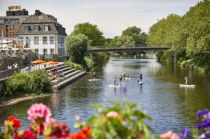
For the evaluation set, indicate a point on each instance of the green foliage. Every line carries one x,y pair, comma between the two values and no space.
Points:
188,35
100,59
135,33
123,41
73,65
18,85
76,47
91,31
163,32
40,82
21,83
121,121
88,63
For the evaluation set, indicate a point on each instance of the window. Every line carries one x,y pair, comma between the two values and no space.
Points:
36,40
36,51
51,51
27,28
47,28
51,39
27,40
36,28
44,51
44,40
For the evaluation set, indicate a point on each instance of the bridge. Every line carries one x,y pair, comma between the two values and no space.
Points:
120,49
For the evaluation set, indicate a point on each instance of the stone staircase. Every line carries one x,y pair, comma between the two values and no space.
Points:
64,75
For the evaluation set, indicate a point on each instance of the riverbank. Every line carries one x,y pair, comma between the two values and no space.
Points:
12,101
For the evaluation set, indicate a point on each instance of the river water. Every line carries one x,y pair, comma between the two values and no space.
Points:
171,107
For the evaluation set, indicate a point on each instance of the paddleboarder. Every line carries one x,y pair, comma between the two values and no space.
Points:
94,75
141,77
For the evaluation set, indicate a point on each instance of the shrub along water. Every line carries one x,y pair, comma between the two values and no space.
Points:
73,65
22,83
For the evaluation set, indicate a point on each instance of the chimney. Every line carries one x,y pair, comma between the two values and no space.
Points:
38,12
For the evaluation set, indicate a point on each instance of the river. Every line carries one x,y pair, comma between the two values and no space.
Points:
171,107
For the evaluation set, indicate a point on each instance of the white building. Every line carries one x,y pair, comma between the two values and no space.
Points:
43,35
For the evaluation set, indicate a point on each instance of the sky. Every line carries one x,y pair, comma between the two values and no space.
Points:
111,16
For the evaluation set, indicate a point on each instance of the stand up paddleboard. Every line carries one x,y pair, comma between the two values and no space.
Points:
93,80
126,78
187,85
140,83
115,86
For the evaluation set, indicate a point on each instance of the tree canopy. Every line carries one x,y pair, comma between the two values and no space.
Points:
76,47
189,34
123,41
94,35
136,34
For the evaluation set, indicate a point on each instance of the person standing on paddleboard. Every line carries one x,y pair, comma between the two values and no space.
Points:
94,75
115,81
141,77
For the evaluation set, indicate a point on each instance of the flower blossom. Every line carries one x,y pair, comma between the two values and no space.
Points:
169,135
25,135
15,122
112,114
38,111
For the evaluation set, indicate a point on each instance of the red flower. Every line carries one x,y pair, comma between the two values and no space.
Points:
15,122
26,135
37,129
82,134
61,130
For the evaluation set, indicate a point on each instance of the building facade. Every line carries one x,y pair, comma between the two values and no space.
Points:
43,35
10,23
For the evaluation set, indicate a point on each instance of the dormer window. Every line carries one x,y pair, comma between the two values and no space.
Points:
47,27
27,28
36,28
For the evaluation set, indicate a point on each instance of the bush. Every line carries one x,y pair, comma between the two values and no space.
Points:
21,83
100,59
73,65
88,63
17,85
40,82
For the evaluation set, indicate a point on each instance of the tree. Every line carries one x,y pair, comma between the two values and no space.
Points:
136,34
164,31
123,41
76,47
92,32
188,35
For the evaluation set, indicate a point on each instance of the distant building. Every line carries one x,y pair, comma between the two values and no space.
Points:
44,35
10,23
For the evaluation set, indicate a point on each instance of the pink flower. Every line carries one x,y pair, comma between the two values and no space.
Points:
112,114
169,135
38,111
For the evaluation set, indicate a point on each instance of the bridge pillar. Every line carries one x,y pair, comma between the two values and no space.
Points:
91,55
